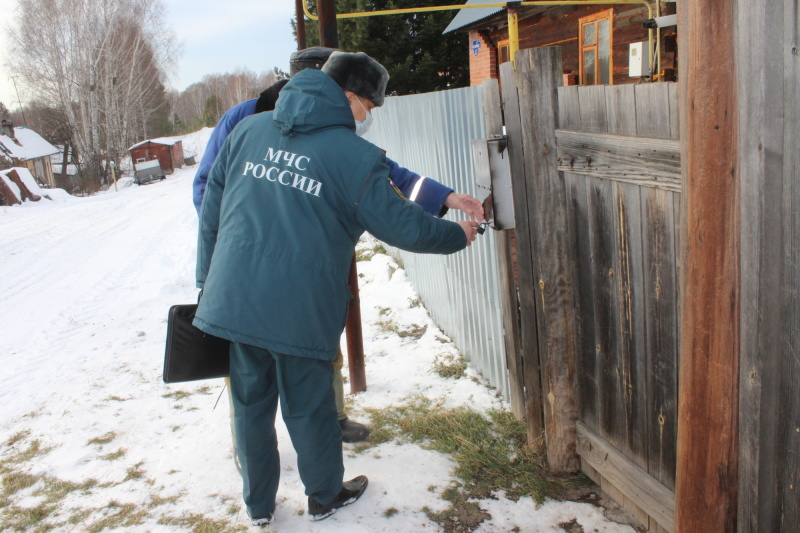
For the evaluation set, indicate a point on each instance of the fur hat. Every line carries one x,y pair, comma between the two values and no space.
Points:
313,57
359,73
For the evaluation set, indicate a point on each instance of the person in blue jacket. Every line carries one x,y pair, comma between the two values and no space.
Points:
434,197
287,199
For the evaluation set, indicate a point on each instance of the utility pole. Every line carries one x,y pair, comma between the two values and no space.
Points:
300,24
328,32
329,36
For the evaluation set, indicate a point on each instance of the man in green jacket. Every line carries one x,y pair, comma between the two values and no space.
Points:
288,197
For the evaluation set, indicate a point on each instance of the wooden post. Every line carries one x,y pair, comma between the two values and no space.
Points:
328,32
493,111
528,369
300,24
539,74
706,484
355,342
329,37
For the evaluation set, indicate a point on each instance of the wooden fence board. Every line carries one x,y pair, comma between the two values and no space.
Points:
631,311
603,245
529,332
569,108
592,105
621,104
505,258
769,416
661,291
539,75
641,161
654,498
652,110
587,365
674,112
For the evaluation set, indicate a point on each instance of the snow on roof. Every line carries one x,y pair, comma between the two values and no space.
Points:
168,141
11,185
31,145
28,180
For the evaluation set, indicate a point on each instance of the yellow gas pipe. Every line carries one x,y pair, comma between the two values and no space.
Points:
513,26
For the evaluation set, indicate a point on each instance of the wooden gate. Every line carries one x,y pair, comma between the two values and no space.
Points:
597,186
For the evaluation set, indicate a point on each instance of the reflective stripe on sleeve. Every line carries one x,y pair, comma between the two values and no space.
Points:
415,190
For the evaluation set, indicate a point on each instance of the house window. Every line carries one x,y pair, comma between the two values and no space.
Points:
503,52
594,44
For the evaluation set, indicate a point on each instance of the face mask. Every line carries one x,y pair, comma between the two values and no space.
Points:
363,125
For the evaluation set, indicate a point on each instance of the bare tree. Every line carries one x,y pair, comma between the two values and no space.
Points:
103,63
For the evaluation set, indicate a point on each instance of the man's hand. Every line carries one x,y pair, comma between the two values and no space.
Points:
470,228
465,203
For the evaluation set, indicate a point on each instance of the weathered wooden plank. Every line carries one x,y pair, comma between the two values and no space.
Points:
621,106
637,160
769,421
581,254
661,296
529,335
538,76
674,112
631,311
652,110
493,112
593,108
647,493
603,245
569,108
708,405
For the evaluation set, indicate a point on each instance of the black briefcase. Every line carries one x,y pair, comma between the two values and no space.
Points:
192,354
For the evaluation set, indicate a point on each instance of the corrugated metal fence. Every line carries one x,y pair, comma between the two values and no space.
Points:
431,134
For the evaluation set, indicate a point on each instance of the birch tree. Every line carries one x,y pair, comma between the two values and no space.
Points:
104,63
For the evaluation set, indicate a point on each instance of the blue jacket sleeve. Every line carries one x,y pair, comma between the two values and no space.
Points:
226,124
210,214
393,219
427,192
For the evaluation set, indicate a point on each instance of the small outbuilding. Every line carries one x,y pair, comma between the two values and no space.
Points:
168,151
23,147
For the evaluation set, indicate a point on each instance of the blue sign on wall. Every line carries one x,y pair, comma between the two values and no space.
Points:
476,46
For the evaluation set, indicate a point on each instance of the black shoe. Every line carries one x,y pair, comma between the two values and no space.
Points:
351,491
353,431
262,520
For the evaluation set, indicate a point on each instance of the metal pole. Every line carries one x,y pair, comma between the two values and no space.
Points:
513,30
300,26
328,32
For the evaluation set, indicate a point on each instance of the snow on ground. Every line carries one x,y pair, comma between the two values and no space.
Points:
86,284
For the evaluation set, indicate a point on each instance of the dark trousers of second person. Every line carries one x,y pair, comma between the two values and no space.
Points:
259,378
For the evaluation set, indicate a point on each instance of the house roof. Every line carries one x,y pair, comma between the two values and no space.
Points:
167,141
469,16
31,145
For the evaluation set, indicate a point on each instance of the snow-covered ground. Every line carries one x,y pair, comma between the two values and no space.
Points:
85,284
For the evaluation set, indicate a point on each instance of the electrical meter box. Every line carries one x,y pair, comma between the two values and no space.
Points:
637,65
493,181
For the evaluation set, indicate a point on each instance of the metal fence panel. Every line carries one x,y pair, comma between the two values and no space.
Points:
431,134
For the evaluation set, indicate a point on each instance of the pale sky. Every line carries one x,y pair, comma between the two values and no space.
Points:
218,36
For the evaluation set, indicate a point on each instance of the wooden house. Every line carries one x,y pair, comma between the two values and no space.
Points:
168,151
23,147
605,44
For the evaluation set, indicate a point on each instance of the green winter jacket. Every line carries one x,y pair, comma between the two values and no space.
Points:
289,195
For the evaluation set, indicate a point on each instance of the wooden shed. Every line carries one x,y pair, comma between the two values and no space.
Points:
602,43
168,151
23,147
